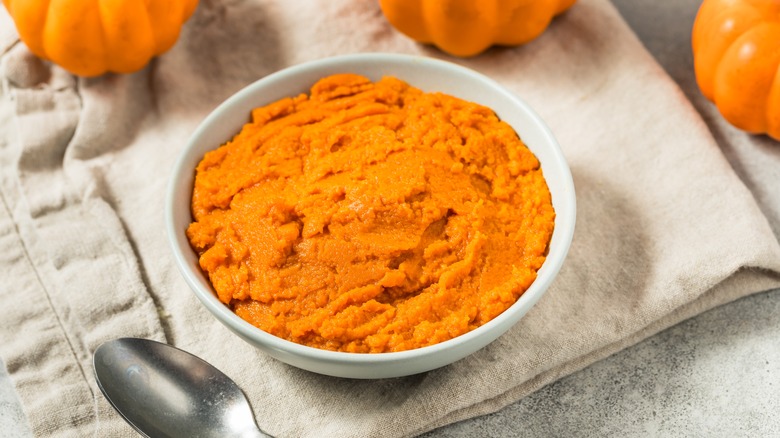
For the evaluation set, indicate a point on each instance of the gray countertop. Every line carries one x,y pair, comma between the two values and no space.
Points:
717,374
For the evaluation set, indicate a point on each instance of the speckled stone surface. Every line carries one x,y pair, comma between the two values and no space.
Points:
716,375
13,423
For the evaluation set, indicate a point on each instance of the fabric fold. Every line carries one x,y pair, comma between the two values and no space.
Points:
74,279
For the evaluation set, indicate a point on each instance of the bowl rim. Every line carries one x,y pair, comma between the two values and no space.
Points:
179,243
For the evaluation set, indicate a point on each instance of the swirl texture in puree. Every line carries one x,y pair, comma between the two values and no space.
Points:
371,217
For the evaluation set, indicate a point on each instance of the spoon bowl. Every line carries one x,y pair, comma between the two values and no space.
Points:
163,391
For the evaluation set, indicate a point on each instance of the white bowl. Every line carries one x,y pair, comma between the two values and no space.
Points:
424,73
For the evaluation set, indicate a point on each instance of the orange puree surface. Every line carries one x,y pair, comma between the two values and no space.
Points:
371,217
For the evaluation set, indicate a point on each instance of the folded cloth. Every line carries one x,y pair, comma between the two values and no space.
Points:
665,228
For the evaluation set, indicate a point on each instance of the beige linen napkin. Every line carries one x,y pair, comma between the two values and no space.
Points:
665,229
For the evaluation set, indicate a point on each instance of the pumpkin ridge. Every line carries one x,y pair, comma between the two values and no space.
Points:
773,108
737,61
158,46
152,29
719,35
104,37
30,18
46,15
468,27
92,37
45,29
536,16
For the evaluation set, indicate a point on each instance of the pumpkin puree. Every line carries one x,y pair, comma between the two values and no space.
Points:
371,217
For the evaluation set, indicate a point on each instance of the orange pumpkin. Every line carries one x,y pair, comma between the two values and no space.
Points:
468,27
736,51
91,37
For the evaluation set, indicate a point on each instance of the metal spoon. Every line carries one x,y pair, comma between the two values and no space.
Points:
166,392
